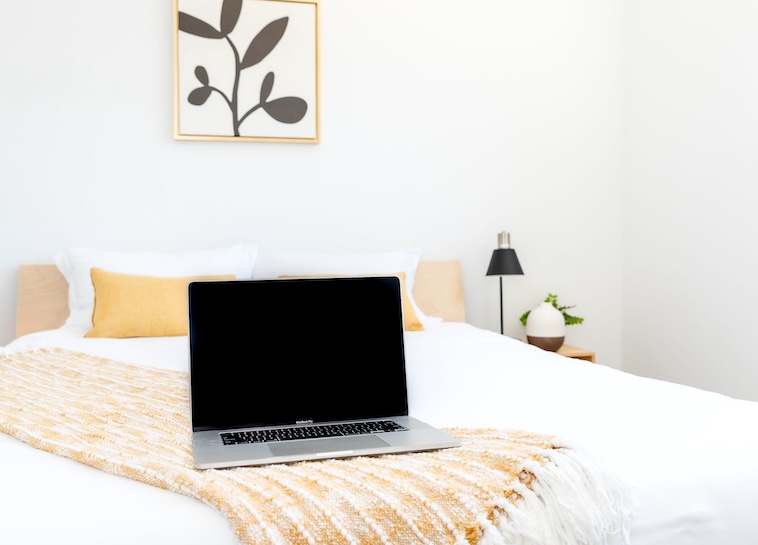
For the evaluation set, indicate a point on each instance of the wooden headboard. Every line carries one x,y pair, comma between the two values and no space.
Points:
43,295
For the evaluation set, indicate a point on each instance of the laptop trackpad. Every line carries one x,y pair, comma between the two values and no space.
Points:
336,445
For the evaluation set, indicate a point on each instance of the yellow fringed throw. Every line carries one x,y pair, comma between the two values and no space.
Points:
500,487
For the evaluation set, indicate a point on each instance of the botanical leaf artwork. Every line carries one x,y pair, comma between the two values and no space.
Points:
287,109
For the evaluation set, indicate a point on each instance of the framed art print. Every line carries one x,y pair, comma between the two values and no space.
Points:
246,70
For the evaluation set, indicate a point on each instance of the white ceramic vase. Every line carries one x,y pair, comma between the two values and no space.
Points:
546,327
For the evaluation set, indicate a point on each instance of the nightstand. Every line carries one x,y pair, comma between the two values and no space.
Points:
576,353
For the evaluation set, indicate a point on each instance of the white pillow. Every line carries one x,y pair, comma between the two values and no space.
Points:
275,264
75,264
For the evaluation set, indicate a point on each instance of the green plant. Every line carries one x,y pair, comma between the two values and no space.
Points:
553,299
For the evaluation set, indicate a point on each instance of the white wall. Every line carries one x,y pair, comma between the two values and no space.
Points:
690,222
443,124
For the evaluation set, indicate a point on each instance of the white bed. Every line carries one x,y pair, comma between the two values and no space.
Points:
689,458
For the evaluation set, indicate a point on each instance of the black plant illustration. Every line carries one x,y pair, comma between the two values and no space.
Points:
285,109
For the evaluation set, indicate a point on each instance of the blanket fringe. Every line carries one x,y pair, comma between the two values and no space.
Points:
571,495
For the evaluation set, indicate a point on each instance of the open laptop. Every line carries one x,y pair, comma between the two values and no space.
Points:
300,369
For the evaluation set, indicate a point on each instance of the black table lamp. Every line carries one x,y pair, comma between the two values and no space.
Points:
504,261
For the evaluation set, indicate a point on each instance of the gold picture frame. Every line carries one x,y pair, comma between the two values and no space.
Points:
246,70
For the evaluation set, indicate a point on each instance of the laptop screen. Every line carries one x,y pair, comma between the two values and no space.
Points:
272,352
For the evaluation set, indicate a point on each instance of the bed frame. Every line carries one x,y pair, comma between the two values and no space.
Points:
43,295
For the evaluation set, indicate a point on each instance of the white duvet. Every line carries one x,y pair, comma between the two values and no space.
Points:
689,457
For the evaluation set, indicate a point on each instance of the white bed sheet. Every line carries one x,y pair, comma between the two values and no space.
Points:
689,456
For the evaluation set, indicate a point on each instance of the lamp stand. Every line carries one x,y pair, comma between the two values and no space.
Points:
501,305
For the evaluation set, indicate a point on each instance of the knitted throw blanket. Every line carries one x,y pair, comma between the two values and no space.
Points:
500,487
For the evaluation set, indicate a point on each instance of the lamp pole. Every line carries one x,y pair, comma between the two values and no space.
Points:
501,306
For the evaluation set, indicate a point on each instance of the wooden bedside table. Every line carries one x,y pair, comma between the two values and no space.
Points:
576,353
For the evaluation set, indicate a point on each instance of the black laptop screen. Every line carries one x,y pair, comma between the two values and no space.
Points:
269,352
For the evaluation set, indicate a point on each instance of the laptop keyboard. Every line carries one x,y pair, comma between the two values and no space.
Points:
310,432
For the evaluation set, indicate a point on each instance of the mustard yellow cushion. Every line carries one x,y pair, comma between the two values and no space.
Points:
410,318
140,306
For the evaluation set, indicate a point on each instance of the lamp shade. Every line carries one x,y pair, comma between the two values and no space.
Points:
504,261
